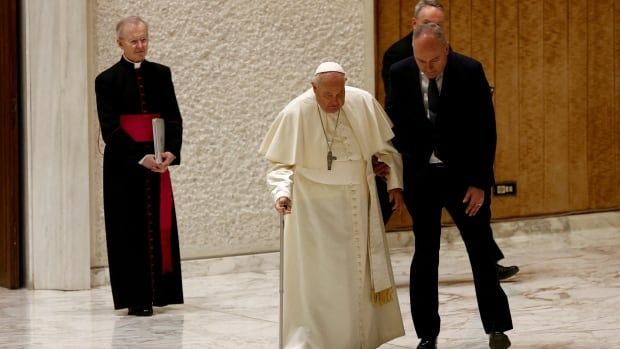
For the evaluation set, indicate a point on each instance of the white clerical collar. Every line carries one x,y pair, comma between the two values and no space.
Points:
136,65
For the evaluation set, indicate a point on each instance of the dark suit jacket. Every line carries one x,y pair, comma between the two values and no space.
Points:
465,130
399,50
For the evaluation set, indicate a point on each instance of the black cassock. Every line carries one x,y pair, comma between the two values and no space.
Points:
140,273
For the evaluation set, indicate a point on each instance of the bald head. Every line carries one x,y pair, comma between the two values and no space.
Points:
430,49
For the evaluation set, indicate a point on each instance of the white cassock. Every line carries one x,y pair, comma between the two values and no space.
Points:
339,288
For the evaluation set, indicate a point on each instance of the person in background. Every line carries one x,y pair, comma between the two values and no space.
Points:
140,219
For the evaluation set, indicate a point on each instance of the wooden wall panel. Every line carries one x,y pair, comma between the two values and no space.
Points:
446,23
555,112
387,18
507,104
531,120
578,104
406,16
483,32
601,151
460,26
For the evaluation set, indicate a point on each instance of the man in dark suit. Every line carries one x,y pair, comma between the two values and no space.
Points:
444,124
425,11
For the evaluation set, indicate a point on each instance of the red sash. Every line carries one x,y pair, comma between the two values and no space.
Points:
140,128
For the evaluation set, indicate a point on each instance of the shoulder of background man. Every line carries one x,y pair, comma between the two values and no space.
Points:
399,50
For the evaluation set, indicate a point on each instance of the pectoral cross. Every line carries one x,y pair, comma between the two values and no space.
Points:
330,159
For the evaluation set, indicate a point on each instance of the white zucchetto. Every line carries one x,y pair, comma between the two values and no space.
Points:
327,67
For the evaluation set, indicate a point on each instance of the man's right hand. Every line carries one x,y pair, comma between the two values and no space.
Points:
283,205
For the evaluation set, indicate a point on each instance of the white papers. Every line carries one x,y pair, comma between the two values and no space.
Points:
159,138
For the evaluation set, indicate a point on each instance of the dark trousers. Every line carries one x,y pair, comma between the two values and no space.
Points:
386,212
425,196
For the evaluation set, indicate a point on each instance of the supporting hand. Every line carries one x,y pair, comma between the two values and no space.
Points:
396,198
381,169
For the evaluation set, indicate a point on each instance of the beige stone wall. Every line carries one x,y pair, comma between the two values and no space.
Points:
235,64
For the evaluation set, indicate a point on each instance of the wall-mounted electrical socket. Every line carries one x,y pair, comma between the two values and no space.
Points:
505,188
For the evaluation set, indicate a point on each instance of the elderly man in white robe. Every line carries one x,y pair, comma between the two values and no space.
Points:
339,288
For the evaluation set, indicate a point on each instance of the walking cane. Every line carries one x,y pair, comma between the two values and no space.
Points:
281,277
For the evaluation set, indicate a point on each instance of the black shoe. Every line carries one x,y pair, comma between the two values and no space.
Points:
498,340
427,343
146,310
504,273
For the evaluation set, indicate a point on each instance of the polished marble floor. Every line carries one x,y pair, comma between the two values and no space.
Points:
567,295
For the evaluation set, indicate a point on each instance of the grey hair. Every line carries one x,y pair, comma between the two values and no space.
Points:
316,78
430,28
424,3
135,20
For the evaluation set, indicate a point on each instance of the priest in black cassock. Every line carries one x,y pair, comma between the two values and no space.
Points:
140,220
